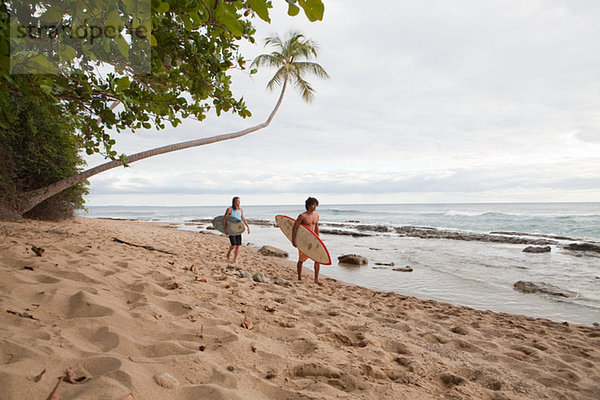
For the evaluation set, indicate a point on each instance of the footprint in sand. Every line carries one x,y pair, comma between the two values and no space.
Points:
93,339
84,305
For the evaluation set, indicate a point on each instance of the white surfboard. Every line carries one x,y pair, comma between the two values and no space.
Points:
306,240
234,226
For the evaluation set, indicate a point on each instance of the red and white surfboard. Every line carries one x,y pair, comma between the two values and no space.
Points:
306,240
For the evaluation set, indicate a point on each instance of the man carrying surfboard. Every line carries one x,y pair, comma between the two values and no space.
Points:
235,240
310,219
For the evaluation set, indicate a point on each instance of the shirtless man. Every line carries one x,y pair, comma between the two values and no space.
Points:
310,219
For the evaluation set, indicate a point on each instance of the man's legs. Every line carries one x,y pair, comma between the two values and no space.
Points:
317,268
299,268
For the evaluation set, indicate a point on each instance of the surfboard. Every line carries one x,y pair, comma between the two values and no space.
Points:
234,226
306,240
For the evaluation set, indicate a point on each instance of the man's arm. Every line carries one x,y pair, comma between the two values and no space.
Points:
295,228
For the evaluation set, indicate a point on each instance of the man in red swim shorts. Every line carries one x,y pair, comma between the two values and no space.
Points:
310,219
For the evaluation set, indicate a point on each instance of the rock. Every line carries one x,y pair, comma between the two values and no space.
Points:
260,277
390,264
541,287
246,275
373,228
433,233
534,249
403,269
342,232
271,251
166,380
583,247
281,282
353,259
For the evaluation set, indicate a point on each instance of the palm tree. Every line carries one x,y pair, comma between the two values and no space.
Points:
288,58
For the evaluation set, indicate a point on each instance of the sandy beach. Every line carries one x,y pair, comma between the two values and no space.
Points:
159,313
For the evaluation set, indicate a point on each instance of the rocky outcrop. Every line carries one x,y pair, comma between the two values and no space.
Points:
542,287
432,233
373,228
353,259
271,251
534,249
342,233
583,247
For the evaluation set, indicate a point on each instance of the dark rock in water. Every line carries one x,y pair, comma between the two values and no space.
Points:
373,228
271,251
534,249
541,287
432,233
353,259
343,233
404,269
390,264
583,247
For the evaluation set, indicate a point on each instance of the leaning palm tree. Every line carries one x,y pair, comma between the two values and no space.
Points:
288,58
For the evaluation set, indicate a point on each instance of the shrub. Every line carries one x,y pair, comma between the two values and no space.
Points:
38,149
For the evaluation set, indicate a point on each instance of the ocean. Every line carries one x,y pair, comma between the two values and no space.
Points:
446,267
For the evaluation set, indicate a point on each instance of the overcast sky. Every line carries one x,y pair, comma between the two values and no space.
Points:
428,101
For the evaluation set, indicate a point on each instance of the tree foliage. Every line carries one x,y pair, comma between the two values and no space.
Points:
161,61
38,149
288,58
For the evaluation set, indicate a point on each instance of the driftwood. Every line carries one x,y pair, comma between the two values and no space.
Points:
142,246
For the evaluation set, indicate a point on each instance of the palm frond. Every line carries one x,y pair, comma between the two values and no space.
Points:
274,59
311,68
303,87
274,40
277,79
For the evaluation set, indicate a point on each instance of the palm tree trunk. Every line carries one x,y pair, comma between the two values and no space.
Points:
28,200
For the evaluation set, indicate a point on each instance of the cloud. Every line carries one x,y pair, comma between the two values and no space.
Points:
427,97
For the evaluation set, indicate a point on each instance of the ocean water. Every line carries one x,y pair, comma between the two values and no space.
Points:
471,273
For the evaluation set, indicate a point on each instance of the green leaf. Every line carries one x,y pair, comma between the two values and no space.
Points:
123,83
124,160
261,8
68,53
114,20
152,39
314,9
293,10
123,46
162,8
42,64
130,5
53,14
231,22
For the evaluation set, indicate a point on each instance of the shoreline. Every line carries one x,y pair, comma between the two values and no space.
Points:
558,299
124,315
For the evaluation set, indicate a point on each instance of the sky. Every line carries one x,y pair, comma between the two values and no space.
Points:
428,101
